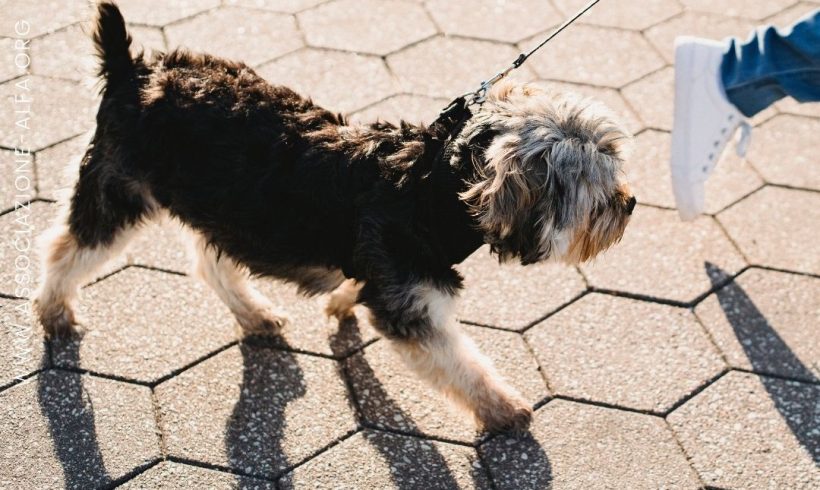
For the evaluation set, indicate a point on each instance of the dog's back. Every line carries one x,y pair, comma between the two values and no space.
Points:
264,174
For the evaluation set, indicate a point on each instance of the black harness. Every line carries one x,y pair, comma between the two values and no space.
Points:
448,125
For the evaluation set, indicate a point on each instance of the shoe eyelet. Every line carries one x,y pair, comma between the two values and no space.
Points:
711,156
723,131
731,117
705,168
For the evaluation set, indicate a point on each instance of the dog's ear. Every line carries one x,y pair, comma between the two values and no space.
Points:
504,189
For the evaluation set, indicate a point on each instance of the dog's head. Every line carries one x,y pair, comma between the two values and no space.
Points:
549,181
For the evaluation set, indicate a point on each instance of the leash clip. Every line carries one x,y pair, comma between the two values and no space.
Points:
480,95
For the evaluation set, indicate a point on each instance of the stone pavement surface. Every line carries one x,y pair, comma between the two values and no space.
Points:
686,357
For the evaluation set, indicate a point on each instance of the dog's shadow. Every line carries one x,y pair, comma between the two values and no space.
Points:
254,433
69,413
271,379
413,462
762,344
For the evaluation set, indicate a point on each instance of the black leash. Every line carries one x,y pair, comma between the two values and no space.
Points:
452,118
479,95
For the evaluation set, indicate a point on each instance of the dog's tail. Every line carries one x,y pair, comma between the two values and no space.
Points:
112,43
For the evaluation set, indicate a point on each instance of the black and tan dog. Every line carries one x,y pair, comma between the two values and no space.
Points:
272,185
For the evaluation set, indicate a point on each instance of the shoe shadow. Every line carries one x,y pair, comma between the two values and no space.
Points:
761,343
271,379
69,413
414,462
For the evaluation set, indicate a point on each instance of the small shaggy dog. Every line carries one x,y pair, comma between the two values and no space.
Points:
272,185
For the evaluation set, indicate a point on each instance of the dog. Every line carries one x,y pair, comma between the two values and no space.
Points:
270,184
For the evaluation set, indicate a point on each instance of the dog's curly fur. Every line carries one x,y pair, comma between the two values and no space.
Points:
273,185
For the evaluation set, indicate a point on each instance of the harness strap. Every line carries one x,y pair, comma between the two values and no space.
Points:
448,125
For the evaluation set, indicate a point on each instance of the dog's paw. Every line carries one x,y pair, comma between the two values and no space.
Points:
265,322
340,306
508,413
58,320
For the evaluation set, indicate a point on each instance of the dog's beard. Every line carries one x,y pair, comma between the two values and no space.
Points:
603,231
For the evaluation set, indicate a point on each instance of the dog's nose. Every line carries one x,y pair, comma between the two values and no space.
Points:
630,205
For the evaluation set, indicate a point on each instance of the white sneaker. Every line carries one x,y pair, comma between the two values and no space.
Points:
705,120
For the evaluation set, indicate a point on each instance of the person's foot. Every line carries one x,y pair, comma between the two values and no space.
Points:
705,121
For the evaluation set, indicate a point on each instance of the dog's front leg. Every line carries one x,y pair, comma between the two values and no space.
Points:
421,327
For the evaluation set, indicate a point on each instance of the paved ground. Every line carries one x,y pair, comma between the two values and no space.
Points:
686,357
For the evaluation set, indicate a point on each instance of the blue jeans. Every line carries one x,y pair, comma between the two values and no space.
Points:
772,64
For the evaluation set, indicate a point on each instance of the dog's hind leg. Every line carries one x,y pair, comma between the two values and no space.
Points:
104,213
231,282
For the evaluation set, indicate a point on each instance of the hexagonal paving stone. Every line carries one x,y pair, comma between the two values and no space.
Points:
41,17
69,53
789,16
629,14
576,56
169,476
791,106
65,54
372,459
624,352
143,325
288,6
698,25
256,410
786,151
610,98
448,67
571,445
748,431
59,109
160,245
750,9
162,12
350,25
19,262
649,177
13,62
415,109
509,21
255,36
22,350
147,39
774,227
17,179
391,396
338,81
513,296
662,257
654,97
310,330
58,167
760,323
65,430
